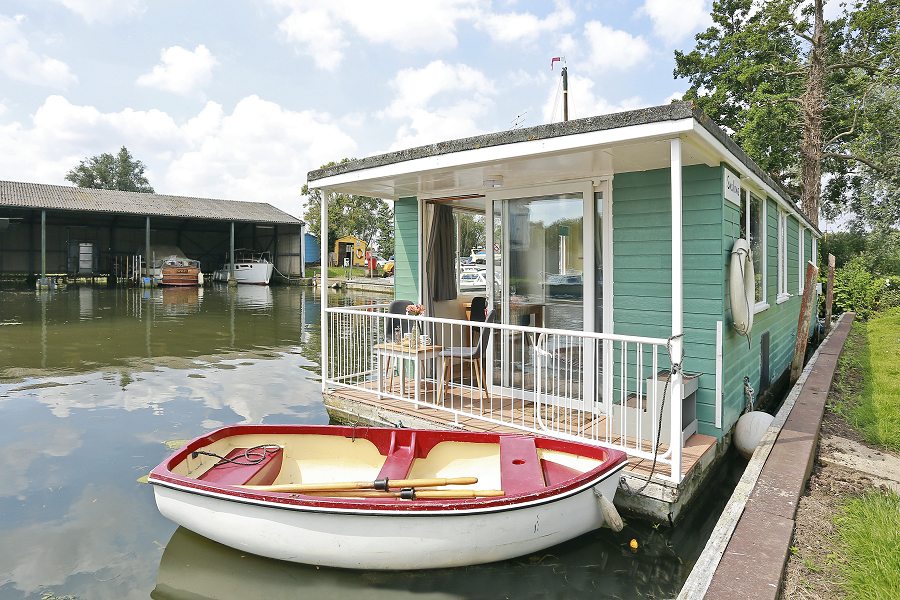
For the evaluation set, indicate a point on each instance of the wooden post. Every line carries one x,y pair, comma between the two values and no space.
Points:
43,247
809,292
829,293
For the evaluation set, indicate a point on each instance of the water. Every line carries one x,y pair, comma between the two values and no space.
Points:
93,382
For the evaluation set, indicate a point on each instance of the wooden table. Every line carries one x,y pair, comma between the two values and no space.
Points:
402,353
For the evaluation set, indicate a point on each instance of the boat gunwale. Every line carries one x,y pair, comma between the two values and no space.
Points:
614,461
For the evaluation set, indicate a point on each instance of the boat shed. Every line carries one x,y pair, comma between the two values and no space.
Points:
50,230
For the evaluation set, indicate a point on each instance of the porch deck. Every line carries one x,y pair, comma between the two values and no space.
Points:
695,451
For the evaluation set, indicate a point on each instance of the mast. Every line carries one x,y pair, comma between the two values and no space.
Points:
565,82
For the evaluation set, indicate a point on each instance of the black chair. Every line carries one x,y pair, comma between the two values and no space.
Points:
397,307
468,354
478,309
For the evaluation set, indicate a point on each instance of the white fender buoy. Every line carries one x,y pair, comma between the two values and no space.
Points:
611,516
742,284
750,429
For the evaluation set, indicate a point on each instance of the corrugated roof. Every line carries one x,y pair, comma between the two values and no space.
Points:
62,197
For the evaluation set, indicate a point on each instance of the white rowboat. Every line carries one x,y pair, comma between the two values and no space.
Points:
531,493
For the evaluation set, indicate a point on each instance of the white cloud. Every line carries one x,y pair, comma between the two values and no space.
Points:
105,11
18,61
677,21
438,102
514,27
323,28
583,102
614,49
181,71
259,151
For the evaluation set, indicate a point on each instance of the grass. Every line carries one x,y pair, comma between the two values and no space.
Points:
868,528
871,352
341,272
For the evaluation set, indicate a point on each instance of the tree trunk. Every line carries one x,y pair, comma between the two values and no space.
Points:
813,106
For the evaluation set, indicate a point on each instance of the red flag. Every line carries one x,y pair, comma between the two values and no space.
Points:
553,60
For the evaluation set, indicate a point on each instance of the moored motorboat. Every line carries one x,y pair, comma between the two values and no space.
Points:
250,268
374,498
180,271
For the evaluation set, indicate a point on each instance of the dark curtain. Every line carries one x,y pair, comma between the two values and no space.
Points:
441,255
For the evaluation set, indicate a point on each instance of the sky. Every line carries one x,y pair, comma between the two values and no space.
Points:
240,99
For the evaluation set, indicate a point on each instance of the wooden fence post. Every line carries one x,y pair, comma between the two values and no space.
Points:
829,293
809,292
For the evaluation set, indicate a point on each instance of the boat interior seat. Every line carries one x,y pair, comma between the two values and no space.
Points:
263,473
400,456
520,467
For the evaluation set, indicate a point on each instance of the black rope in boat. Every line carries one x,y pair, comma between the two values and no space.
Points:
252,456
676,367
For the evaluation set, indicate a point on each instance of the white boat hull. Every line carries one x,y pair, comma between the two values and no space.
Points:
355,540
255,273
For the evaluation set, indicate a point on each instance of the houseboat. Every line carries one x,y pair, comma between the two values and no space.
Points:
619,240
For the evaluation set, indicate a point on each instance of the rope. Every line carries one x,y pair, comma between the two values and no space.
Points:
748,394
252,456
676,367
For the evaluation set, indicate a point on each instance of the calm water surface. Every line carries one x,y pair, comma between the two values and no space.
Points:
94,382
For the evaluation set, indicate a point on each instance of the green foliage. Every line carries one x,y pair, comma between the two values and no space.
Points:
111,172
749,73
369,219
867,388
857,289
869,530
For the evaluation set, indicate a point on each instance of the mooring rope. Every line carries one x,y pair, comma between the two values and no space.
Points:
676,367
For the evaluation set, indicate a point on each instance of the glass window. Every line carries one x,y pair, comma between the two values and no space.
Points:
782,256
753,229
801,261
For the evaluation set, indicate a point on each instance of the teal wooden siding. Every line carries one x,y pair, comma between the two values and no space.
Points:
642,267
642,282
779,320
406,249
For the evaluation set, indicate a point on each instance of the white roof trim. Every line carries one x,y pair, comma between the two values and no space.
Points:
741,169
661,129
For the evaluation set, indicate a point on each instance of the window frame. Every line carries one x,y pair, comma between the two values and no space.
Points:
801,271
747,197
783,294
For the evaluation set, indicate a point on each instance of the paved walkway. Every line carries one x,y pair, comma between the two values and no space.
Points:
753,562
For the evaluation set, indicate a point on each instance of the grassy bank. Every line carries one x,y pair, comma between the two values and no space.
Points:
868,529
870,367
866,538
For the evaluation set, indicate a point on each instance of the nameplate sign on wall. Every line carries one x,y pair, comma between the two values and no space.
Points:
732,187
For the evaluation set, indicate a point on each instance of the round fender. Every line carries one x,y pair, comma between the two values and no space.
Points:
359,253
742,283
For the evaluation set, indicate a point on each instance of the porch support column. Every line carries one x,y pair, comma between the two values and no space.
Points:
323,284
303,250
231,279
677,344
147,261
43,247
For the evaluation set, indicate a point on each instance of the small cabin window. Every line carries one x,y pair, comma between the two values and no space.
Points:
801,261
782,257
753,229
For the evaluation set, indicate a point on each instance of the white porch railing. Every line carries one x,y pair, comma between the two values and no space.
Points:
595,387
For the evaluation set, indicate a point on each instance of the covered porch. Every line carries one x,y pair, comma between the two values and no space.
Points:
562,340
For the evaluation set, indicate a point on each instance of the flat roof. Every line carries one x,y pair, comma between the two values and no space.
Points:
41,196
676,111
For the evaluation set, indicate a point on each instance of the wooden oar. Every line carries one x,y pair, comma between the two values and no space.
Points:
378,484
408,494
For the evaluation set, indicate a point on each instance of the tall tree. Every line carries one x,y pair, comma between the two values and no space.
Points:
111,172
369,219
807,98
